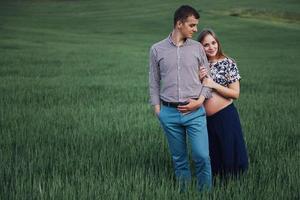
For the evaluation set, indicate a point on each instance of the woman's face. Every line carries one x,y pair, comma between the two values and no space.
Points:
210,46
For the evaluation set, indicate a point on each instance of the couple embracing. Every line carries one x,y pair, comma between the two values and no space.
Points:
192,86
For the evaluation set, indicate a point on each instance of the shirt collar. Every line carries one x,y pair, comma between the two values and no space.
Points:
185,43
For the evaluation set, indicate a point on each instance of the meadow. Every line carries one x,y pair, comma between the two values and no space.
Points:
75,119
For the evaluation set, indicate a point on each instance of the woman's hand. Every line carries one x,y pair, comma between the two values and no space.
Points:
209,82
202,73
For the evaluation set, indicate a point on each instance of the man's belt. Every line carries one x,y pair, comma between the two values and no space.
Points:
173,104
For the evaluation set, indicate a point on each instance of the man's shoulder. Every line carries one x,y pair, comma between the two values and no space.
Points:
195,43
159,44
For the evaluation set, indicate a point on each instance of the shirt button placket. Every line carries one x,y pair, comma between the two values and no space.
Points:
178,73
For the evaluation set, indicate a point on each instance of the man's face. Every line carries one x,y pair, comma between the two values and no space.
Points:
189,27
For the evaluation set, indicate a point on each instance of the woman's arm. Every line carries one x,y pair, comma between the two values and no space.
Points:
232,91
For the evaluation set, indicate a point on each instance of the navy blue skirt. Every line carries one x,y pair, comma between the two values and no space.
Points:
227,147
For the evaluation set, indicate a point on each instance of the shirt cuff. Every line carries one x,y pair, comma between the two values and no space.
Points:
206,92
155,101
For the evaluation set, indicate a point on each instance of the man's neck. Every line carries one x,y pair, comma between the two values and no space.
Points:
177,38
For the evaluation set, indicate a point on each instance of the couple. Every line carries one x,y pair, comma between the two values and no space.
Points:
185,76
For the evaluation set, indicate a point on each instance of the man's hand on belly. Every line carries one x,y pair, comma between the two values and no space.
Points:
192,105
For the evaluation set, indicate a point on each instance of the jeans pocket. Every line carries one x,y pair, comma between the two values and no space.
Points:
161,112
202,111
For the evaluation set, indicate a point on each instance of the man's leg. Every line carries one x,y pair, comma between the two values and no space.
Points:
176,136
195,123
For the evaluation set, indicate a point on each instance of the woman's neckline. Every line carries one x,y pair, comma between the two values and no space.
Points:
215,62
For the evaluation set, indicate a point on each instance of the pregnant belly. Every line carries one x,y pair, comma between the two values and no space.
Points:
216,103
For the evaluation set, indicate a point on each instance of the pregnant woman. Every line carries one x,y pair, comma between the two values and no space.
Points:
226,143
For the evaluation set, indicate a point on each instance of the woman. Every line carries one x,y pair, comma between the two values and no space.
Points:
226,144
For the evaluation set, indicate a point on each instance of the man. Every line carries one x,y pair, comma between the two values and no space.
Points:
177,96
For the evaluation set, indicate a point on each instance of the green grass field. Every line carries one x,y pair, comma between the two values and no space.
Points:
74,113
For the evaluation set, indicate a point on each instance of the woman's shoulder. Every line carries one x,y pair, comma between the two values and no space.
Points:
229,61
225,62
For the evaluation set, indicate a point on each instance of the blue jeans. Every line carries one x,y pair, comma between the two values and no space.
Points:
176,126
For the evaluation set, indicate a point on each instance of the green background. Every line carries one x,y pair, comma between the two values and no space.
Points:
74,111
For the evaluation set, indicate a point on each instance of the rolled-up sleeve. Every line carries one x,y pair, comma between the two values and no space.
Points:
154,77
205,91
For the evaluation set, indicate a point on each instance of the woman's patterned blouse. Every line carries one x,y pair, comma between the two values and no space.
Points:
224,72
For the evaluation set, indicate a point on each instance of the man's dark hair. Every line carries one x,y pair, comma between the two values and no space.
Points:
183,12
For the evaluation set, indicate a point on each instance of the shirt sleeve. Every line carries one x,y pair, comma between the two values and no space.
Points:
154,78
205,91
233,74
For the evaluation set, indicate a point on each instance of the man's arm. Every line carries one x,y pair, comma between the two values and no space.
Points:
154,80
205,91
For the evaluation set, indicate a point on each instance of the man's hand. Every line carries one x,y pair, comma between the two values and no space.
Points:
157,110
192,105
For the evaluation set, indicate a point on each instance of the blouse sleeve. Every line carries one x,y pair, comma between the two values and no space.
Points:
233,74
